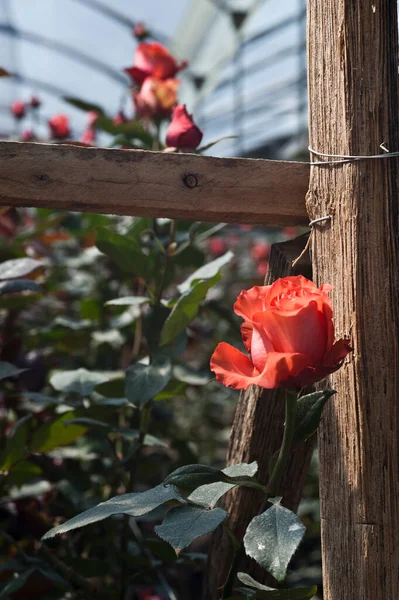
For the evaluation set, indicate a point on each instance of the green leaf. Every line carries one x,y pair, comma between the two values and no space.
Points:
8,370
82,105
18,268
134,505
208,271
79,381
132,130
186,308
182,525
308,413
14,286
192,476
124,251
86,421
114,388
209,494
22,472
56,433
263,591
15,584
144,382
128,301
15,449
272,538
173,389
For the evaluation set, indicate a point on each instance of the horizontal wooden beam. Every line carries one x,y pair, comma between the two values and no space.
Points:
153,184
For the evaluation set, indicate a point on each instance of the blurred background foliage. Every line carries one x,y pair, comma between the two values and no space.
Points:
83,298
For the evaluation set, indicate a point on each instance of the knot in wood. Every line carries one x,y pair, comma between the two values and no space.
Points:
190,180
43,177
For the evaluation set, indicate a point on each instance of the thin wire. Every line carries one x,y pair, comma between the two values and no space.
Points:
347,158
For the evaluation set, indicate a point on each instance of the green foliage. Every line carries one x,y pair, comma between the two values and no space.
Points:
272,538
182,525
8,370
209,494
190,477
134,505
59,432
144,382
308,413
16,443
258,590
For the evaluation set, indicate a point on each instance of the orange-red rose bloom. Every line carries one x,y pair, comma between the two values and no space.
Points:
288,332
156,98
182,131
153,60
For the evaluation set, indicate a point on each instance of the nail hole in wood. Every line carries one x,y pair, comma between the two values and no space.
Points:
190,180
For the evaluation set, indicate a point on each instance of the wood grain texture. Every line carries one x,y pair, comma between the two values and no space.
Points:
153,184
353,98
256,435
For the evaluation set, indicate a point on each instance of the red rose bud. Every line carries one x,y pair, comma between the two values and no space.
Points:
120,118
153,60
18,109
288,332
27,135
59,127
140,32
182,131
35,102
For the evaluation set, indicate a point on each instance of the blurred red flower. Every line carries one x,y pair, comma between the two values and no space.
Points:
182,131
260,250
18,109
88,136
59,126
35,102
153,60
27,135
156,98
262,268
217,246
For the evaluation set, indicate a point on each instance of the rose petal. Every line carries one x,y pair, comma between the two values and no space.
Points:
260,347
246,334
251,301
305,332
235,370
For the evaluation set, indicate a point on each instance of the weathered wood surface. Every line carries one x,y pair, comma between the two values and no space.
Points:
256,435
153,184
353,72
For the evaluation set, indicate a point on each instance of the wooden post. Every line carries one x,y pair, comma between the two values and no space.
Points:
353,98
256,435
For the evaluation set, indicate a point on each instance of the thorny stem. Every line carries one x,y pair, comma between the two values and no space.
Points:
273,486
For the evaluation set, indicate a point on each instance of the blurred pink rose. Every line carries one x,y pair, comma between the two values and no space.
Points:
27,135
59,126
153,60
156,98
18,109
